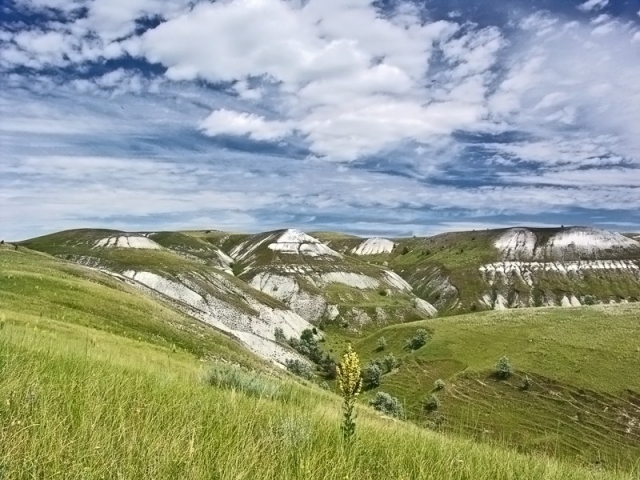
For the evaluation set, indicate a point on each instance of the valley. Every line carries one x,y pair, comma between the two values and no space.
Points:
559,305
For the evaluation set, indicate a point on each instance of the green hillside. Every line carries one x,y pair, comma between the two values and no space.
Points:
583,395
462,272
43,293
102,381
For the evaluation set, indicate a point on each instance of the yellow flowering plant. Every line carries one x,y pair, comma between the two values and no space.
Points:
350,385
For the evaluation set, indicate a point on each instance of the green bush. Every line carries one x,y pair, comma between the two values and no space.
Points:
431,403
381,344
385,403
279,335
307,345
233,377
371,376
299,368
439,384
418,340
504,368
389,362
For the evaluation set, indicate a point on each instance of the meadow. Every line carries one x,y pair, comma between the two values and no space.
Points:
99,381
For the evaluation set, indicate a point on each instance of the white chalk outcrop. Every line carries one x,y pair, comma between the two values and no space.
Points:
287,290
516,243
425,307
570,243
127,241
253,325
589,241
285,284
374,246
298,242
351,279
493,272
397,281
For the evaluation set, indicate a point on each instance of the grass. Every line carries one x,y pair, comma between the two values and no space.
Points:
457,257
100,381
47,293
67,411
584,401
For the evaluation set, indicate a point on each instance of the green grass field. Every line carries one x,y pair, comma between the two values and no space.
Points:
99,381
583,363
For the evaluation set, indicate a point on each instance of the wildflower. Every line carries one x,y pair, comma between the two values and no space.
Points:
350,385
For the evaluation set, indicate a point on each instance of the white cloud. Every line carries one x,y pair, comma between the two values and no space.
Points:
228,122
339,76
572,94
591,5
598,178
349,79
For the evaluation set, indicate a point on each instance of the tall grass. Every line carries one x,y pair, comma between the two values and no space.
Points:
68,415
251,383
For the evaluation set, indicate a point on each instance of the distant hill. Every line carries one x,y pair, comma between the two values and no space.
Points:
249,285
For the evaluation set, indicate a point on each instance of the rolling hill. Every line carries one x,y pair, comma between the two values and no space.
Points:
102,378
510,268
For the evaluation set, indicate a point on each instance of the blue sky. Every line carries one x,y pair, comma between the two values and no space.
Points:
370,117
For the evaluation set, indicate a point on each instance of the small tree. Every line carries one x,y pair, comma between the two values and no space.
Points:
431,403
504,368
350,385
381,344
390,362
418,340
385,403
372,376
300,368
439,384
279,335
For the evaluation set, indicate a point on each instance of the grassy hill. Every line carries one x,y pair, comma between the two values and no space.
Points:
189,282
462,272
581,399
316,283
100,380
43,293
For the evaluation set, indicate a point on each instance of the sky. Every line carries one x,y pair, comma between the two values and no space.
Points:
385,117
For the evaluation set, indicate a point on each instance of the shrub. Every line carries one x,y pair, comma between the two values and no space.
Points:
385,403
372,376
405,250
431,403
299,368
381,344
350,384
278,334
439,384
504,368
307,346
233,377
418,340
437,420
390,362
328,366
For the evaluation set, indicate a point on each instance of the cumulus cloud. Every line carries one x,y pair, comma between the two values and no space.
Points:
133,102
592,5
569,81
350,79
227,122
